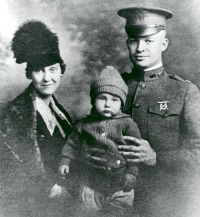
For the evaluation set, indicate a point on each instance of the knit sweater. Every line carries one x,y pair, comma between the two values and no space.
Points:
107,134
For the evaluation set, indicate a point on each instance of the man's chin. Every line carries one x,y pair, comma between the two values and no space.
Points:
141,65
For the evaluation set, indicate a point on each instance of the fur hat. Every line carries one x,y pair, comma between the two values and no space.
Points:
35,44
109,81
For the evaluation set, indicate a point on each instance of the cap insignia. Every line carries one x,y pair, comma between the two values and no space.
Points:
139,14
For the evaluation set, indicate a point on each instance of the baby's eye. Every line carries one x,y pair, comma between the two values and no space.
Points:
101,98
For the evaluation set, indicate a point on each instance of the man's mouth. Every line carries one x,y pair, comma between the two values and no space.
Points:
140,57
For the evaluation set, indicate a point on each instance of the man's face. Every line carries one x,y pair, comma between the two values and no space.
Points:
146,52
47,80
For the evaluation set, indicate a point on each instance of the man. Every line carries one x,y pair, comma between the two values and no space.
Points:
167,111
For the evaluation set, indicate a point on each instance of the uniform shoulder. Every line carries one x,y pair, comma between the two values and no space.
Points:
185,85
178,78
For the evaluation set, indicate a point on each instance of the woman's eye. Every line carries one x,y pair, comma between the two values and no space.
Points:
38,71
53,69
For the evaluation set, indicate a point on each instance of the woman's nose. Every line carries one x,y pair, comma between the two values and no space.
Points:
47,76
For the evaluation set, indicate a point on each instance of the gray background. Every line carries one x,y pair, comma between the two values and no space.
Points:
92,36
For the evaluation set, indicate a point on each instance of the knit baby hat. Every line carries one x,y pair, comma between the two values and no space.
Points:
109,81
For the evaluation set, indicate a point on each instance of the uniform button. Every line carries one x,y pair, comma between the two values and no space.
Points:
109,168
118,162
143,86
165,115
136,105
103,134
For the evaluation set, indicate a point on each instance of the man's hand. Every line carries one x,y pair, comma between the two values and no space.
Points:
64,169
92,158
138,151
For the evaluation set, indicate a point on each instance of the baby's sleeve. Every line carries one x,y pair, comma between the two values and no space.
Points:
72,147
131,129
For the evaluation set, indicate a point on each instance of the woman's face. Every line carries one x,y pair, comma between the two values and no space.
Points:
47,80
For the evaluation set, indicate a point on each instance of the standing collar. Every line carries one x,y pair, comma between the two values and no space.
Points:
141,75
154,67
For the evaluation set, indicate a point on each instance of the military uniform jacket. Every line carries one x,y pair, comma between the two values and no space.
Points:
106,134
167,111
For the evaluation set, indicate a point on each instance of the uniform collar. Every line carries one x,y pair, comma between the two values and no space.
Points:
141,75
154,67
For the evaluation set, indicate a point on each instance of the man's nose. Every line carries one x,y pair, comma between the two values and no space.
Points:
140,46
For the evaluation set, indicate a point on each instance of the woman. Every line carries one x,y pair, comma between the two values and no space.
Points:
34,126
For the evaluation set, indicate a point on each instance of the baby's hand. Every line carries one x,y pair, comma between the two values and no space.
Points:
129,182
64,169
55,191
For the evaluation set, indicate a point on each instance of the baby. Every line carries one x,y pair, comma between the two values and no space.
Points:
113,187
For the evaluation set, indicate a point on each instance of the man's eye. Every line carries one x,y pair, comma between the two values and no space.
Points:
149,41
132,41
115,99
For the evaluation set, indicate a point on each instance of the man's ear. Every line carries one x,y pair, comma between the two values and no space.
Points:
165,43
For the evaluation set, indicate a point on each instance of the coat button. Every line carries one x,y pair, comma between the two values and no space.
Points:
42,137
103,134
136,105
143,86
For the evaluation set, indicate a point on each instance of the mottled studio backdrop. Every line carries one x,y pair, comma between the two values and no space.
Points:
92,36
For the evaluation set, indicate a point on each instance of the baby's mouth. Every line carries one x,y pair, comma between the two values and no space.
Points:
107,112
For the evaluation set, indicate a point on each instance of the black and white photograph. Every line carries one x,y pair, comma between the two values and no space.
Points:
99,108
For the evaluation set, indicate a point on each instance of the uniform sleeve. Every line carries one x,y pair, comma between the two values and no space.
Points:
72,147
131,129
186,160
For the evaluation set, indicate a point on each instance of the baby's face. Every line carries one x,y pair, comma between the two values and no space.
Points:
107,105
